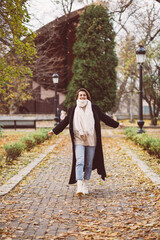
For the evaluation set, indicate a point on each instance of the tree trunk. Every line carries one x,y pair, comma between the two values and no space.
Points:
153,114
154,121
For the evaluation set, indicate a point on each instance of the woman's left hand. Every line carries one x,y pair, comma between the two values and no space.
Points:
50,133
121,125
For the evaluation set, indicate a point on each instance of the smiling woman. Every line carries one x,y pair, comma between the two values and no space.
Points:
85,130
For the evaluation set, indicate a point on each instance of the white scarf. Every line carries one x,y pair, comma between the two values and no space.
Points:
83,122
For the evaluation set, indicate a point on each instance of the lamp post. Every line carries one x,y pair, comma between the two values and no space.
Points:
141,56
55,79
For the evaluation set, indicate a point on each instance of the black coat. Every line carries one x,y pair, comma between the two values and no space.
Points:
98,161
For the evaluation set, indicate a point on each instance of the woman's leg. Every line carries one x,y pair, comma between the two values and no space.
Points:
89,155
80,154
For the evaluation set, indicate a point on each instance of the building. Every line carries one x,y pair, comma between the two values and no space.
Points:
54,43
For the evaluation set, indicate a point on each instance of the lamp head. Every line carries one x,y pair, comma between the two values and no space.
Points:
141,55
55,78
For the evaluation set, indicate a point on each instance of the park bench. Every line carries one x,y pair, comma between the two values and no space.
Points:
11,123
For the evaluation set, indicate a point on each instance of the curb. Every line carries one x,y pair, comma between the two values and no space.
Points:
13,182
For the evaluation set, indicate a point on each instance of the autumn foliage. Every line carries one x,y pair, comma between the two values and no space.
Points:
17,51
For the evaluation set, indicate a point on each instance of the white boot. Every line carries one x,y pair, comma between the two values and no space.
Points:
85,187
79,187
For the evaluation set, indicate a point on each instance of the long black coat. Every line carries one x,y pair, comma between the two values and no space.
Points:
98,161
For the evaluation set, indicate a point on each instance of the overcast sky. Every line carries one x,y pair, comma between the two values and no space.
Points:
44,11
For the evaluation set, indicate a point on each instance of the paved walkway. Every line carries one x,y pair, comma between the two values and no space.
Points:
43,206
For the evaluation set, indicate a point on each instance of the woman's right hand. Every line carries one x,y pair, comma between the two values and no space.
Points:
50,133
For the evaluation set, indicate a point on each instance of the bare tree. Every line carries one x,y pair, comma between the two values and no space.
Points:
66,5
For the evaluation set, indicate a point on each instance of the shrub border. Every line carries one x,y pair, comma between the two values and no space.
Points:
14,150
147,142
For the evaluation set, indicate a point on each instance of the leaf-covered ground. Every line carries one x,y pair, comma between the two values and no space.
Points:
147,123
125,206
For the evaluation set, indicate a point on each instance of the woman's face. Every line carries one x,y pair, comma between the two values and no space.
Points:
82,95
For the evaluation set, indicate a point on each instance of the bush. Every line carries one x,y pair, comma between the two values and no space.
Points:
13,150
29,142
155,147
138,138
130,132
147,142
40,136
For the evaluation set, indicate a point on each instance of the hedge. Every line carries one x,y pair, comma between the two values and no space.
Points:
147,142
14,150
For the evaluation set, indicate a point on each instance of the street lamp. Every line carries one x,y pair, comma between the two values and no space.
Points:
55,79
141,56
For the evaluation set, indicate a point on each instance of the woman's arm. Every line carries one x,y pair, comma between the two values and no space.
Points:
60,127
108,120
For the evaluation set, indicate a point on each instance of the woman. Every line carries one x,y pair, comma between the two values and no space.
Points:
84,125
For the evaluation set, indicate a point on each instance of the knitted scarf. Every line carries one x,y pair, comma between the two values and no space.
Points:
83,122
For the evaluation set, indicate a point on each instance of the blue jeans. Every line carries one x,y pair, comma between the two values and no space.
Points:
84,157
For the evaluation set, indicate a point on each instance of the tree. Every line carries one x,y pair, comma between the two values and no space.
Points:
129,76
95,61
151,83
147,29
127,69
17,51
66,5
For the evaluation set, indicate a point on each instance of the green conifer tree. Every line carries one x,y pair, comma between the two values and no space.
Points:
95,59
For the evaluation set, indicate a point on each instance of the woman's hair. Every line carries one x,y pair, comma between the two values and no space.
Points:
84,90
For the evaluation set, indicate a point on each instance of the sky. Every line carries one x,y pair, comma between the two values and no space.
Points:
43,12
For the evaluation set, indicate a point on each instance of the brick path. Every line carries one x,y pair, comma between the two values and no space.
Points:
125,206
